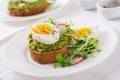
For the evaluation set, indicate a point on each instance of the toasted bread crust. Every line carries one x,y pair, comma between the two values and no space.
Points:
47,57
29,12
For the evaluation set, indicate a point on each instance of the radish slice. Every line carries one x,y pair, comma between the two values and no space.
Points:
62,27
61,24
32,38
78,61
58,23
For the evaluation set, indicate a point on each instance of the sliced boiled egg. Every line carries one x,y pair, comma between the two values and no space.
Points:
46,33
31,1
82,32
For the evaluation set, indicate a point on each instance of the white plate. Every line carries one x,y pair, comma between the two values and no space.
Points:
18,59
4,15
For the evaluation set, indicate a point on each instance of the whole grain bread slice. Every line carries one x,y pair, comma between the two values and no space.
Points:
47,57
50,56
29,12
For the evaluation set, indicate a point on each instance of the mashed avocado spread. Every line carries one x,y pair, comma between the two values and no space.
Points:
21,5
39,47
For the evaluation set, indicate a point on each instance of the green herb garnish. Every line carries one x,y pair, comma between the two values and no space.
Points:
83,48
62,61
68,25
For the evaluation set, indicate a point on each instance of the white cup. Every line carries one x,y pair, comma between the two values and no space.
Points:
109,12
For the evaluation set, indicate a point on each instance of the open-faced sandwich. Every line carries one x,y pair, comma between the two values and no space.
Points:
26,7
56,42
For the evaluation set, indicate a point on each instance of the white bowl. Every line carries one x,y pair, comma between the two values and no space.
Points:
108,13
88,4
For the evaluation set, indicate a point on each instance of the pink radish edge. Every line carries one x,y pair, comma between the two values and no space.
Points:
32,38
62,24
80,60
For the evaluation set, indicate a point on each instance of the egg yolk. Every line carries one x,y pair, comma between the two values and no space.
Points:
42,29
83,32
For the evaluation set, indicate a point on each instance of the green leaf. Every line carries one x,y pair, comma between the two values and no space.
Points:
98,50
52,21
75,46
62,61
60,58
79,42
68,25
66,64
56,65
84,55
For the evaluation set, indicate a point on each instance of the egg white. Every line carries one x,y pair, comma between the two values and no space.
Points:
48,38
94,33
